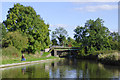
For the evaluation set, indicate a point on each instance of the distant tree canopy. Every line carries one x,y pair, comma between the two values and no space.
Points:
114,40
72,43
26,21
59,36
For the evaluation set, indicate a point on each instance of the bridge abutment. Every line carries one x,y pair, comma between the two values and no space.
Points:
55,53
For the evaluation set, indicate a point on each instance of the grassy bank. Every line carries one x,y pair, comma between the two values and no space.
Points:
29,57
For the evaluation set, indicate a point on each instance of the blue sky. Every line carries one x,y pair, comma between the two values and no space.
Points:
71,14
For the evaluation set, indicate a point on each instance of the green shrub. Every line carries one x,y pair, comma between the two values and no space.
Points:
15,39
10,51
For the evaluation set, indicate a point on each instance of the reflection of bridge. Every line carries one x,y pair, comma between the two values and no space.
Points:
57,50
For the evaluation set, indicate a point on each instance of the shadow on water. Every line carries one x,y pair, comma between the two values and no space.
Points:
64,68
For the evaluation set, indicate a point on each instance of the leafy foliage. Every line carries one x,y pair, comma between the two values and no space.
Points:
114,40
93,36
10,51
15,39
54,42
60,35
72,43
26,21
3,32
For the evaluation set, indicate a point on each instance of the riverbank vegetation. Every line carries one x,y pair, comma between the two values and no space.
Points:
97,40
94,39
24,31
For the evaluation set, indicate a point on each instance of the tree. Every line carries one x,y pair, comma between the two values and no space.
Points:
59,34
3,32
114,36
54,40
119,41
98,34
72,43
61,39
93,36
26,21
114,40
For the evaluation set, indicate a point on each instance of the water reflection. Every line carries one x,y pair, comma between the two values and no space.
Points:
68,68
72,68
23,70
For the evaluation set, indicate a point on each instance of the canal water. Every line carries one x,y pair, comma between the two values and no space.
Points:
64,68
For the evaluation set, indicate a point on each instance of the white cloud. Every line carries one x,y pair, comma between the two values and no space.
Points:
59,25
97,8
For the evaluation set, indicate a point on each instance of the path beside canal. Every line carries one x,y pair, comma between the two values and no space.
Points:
24,63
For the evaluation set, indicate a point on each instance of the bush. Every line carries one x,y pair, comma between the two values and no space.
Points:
15,39
10,51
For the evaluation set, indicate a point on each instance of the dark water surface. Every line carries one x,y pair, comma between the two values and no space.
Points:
65,68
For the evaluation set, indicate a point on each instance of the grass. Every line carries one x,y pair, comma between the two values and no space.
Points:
45,54
30,57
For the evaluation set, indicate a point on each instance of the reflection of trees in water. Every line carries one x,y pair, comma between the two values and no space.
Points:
84,69
92,70
62,68
24,70
39,71
57,71
114,69
32,71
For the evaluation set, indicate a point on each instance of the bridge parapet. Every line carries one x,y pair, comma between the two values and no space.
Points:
62,47
56,46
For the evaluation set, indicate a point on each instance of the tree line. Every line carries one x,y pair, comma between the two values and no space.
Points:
24,30
91,37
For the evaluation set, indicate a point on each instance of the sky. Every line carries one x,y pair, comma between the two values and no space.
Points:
69,15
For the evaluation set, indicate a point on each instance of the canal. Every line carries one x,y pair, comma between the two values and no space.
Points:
64,68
